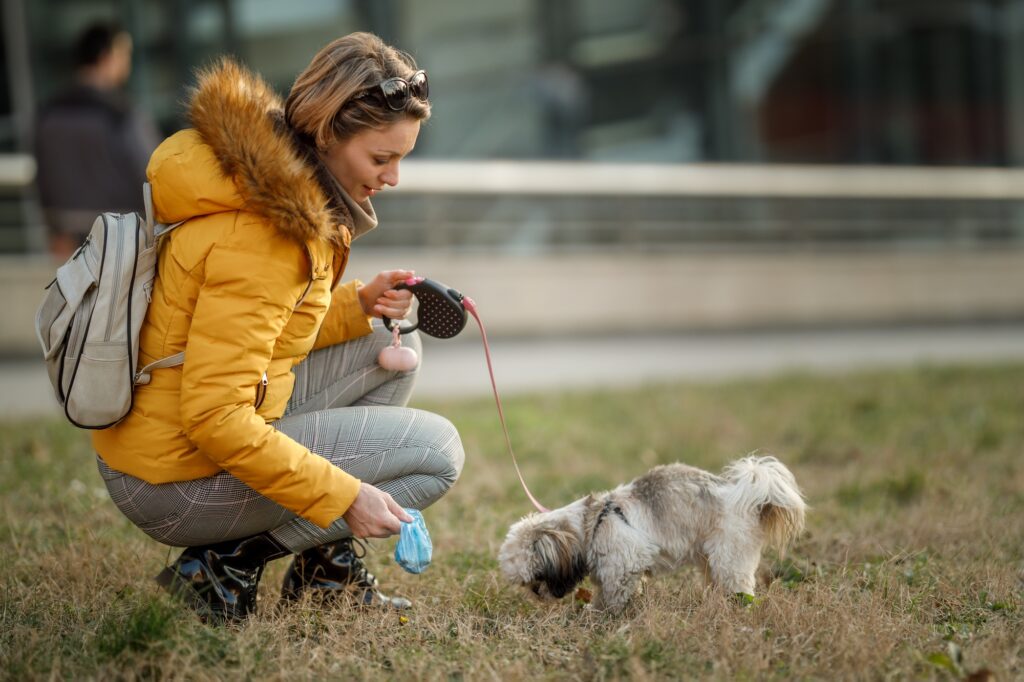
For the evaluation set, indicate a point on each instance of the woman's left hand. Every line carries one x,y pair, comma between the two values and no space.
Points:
378,298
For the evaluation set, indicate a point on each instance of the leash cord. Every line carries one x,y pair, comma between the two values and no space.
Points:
471,307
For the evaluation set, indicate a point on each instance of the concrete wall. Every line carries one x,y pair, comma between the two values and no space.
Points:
709,289
724,290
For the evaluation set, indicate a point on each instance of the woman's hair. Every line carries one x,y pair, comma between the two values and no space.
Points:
321,105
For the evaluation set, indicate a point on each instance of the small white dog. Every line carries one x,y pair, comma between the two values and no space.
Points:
673,514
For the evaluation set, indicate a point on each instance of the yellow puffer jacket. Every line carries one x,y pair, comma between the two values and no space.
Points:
247,287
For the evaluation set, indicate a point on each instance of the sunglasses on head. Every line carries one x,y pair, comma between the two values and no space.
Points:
396,91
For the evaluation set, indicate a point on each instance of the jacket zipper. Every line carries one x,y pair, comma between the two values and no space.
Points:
261,390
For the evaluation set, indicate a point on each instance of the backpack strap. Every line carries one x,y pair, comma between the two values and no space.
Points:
162,229
142,377
147,200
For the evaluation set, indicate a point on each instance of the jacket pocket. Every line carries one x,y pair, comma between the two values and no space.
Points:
261,391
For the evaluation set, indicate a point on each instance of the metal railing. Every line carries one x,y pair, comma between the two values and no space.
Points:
17,171
21,229
647,179
709,180
536,205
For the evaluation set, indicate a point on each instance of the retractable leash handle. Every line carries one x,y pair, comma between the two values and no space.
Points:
442,314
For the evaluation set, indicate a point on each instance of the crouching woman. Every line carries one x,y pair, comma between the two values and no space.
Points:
279,434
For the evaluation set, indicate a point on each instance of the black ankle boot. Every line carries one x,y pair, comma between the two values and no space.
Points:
219,581
334,569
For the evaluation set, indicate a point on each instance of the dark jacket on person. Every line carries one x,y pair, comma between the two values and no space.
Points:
91,150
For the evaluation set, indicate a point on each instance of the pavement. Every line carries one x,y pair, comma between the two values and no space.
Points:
457,368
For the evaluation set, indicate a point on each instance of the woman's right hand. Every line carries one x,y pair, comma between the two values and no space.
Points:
379,297
374,514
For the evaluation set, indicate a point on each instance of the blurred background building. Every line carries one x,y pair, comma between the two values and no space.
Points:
778,162
807,81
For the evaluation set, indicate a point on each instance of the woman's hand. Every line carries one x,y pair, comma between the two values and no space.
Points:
378,298
374,514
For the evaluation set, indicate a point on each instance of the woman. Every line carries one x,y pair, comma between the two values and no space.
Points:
280,434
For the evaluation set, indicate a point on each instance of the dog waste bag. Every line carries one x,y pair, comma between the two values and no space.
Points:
414,547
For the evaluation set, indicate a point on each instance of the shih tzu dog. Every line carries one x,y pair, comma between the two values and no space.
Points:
673,514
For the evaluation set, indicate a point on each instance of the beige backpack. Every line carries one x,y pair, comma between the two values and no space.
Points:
88,324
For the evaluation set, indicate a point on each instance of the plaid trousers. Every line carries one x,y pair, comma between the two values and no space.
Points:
344,408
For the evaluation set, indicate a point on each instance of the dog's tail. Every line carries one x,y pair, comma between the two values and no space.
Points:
762,485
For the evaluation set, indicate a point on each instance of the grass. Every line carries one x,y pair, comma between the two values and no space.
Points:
912,565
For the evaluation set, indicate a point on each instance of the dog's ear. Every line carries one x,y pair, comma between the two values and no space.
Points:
560,561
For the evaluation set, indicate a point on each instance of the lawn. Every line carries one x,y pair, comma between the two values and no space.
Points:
912,565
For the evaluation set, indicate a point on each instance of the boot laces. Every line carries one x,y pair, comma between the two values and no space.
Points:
360,575
361,544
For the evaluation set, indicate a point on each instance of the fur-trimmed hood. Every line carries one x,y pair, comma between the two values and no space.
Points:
241,155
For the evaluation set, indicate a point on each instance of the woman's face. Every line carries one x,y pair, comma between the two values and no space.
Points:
368,161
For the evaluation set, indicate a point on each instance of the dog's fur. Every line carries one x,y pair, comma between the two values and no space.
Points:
673,514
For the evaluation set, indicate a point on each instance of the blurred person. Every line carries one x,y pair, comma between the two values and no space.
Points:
91,144
280,434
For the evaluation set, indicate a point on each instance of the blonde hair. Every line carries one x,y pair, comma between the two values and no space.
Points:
321,105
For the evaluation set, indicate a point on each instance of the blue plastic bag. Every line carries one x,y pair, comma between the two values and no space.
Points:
414,547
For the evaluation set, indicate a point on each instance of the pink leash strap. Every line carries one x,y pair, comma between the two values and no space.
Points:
471,307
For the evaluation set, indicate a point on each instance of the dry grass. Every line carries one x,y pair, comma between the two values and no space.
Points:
911,567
